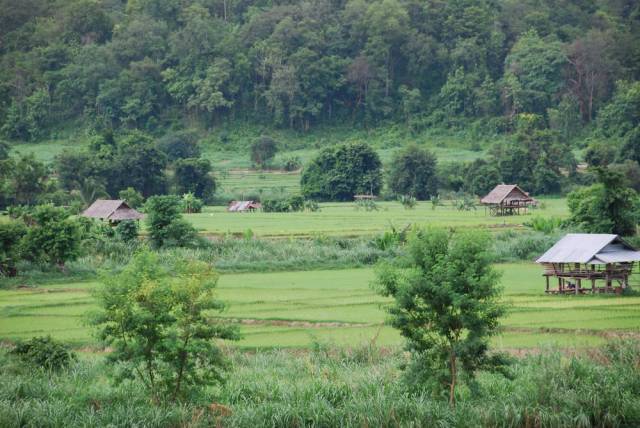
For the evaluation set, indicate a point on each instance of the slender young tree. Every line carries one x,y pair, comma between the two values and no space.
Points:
446,304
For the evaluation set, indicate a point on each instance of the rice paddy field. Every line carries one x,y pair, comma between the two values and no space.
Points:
338,307
344,219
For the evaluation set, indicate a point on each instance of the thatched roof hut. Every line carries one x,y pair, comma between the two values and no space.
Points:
507,199
113,210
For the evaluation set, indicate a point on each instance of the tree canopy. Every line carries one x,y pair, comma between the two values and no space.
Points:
303,64
338,173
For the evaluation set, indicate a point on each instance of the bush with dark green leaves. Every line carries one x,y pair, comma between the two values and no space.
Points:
413,172
293,203
263,150
132,197
127,230
45,352
291,163
338,173
608,206
53,236
194,176
167,228
179,145
11,234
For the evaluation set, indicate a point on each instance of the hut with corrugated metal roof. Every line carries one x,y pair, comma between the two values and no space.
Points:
243,206
112,210
603,261
507,199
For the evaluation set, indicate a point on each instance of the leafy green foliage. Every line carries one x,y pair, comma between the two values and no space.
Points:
159,325
132,161
291,163
45,352
166,225
408,202
446,306
179,145
191,204
11,234
413,172
293,203
54,236
263,151
22,181
194,176
132,197
340,172
608,206
127,230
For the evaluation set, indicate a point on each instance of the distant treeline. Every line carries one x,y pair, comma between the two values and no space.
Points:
149,63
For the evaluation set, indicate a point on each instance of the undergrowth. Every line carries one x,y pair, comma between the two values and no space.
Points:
330,387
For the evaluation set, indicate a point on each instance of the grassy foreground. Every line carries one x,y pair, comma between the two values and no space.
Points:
343,219
300,309
355,387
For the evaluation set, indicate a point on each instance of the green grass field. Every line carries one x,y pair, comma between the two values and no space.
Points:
345,220
296,309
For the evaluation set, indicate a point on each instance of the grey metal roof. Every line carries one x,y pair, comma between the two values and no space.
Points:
590,248
238,206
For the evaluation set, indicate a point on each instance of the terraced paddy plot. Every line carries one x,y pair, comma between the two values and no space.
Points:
345,220
246,183
296,309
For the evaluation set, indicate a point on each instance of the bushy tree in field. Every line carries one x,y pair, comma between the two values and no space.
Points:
263,151
340,172
608,206
167,228
413,172
446,305
54,237
179,145
194,176
158,321
45,352
26,179
132,197
11,234
191,204
127,230
480,177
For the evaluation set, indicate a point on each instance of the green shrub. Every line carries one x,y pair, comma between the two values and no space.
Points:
366,204
408,202
157,319
166,225
283,205
45,352
291,163
11,234
191,204
127,230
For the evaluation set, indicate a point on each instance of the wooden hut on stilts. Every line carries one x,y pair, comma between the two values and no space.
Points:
589,263
507,199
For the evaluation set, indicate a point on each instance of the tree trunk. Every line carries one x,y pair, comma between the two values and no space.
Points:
452,385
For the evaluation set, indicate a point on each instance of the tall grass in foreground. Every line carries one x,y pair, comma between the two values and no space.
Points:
339,387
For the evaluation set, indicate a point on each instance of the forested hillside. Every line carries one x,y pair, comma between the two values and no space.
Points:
152,64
